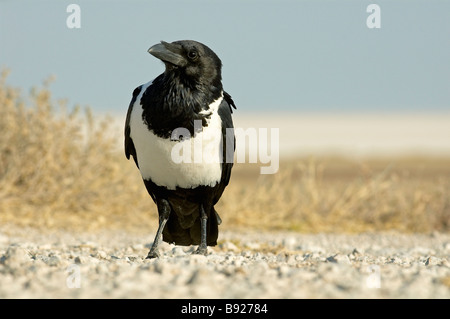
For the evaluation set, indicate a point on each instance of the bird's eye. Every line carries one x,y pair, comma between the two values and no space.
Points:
192,55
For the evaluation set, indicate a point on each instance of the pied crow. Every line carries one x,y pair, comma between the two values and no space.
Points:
179,131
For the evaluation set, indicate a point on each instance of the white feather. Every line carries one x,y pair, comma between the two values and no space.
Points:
201,154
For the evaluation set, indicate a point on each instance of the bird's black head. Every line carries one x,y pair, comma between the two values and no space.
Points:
192,61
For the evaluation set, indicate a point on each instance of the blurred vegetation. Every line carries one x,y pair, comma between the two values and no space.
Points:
62,168
342,195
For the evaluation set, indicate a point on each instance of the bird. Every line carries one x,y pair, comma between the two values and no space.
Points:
179,131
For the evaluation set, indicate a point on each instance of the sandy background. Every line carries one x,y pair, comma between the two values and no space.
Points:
353,134
363,134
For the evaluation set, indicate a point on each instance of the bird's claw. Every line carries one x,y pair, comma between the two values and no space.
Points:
152,254
201,251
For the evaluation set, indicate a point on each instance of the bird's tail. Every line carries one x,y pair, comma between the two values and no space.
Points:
185,229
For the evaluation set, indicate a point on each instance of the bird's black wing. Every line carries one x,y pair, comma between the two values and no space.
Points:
228,144
129,145
229,100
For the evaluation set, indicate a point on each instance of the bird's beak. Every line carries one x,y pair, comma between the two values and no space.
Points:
168,52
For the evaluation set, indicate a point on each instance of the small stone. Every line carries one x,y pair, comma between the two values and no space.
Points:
15,256
53,261
292,259
80,260
258,256
281,257
228,246
178,251
331,259
338,258
432,261
237,262
190,249
102,255
355,252
132,258
342,259
395,260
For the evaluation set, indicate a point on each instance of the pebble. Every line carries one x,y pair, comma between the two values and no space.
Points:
178,251
228,246
102,255
262,265
53,261
338,258
80,260
432,261
15,256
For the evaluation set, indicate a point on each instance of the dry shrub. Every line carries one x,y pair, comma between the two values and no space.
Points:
299,198
61,168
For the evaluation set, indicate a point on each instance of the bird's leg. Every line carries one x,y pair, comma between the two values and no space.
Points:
202,248
164,212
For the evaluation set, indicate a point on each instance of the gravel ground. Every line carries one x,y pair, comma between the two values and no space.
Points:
244,265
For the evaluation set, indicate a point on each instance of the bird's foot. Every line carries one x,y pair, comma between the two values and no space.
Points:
153,253
201,251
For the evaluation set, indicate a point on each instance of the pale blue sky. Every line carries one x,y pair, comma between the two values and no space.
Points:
278,55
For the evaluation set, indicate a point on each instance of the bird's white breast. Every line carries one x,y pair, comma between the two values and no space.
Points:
199,166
